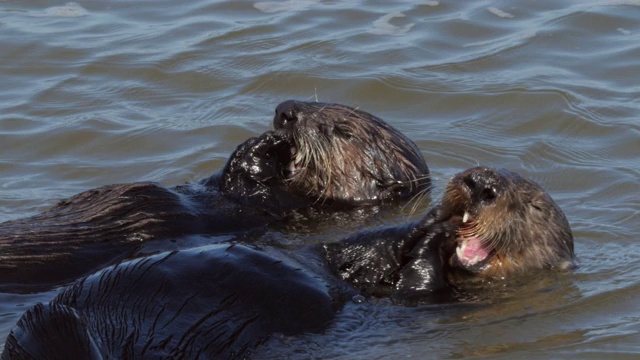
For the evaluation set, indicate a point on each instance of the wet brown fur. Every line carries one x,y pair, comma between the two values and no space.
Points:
521,225
350,155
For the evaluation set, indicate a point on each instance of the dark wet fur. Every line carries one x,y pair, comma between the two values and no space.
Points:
98,227
199,303
222,301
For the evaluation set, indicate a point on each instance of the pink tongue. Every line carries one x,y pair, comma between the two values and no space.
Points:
474,252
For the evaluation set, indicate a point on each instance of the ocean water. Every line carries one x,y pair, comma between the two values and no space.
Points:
102,92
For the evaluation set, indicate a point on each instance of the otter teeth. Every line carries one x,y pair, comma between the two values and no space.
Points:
465,217
460,250
296,161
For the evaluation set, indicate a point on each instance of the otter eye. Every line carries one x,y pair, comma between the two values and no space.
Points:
538,206
343,132
488,194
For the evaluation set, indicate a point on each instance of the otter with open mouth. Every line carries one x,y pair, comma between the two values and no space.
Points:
507,225
223,301
492,224
319,155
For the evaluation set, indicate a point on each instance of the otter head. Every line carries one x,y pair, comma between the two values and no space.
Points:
345,155
508,224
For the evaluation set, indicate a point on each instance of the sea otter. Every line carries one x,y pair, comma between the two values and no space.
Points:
318,155
224,300
509,225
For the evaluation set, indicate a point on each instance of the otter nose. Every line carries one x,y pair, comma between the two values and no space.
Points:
286,114
482,183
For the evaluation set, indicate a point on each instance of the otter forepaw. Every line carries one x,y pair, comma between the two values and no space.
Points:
270,146
437,214
259,159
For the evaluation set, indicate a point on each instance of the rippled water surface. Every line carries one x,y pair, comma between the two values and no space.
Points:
101,92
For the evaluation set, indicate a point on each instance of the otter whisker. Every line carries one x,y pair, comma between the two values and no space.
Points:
321,109
416,181
416,199
315,159
353,110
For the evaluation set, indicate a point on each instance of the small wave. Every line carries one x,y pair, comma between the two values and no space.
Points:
67,10
270,7
383,25
499,13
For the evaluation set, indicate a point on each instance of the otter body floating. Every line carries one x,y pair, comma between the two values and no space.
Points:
319,155
223,301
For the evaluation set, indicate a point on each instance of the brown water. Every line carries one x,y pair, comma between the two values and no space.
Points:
101,92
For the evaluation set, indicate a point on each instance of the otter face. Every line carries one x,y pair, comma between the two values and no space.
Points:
507,224
346,155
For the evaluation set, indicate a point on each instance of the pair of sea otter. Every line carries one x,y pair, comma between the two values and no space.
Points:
223,300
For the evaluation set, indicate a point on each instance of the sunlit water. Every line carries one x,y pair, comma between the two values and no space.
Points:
102,92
